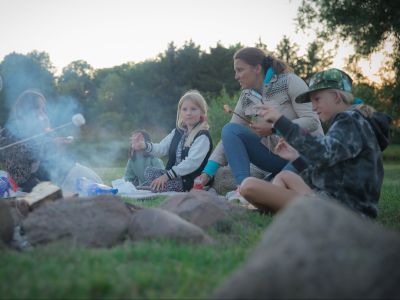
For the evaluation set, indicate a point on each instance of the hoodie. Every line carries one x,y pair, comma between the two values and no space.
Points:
345,164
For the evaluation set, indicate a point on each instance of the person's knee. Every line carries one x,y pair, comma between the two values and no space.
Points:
283,175
248,186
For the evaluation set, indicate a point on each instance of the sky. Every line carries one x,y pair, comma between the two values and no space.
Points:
106,33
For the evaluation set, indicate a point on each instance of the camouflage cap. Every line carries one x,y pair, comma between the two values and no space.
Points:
328,79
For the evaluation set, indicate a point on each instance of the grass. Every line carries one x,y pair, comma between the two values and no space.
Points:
389,202
150,269
392,153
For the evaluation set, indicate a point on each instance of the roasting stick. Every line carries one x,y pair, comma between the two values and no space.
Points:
229,110
77,120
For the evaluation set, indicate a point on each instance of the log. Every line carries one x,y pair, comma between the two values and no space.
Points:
42,193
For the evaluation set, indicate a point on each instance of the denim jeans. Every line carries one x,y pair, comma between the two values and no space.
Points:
242,147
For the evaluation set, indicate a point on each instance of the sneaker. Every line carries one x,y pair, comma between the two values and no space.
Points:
235,197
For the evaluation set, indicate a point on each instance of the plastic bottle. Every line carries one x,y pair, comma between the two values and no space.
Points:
88,187
7,185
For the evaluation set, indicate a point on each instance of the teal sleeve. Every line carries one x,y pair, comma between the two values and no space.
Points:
157,163
211,168
129,172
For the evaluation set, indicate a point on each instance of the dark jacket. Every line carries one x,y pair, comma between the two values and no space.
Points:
346,163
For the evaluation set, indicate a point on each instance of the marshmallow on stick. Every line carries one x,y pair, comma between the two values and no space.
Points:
229,110
78,120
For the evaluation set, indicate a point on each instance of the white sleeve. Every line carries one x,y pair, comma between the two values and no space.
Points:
197,153
161,149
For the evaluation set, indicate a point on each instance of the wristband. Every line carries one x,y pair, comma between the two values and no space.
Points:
211,168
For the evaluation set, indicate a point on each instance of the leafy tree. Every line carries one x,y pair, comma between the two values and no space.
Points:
217,117
261,45
288,52
315,59
77,80
367,24
217,72
21,72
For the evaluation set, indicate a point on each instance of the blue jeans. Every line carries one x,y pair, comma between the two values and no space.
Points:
242,147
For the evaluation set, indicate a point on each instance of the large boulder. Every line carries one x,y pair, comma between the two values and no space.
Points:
316,248
154,223
100,221
201,208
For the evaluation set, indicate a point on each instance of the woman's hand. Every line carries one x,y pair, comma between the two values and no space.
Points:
268,112
158,184
137,142
284,150
261,128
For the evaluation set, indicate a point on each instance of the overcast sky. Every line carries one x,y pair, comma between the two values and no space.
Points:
106,33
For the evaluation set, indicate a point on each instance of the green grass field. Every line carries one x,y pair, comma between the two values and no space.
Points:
152,269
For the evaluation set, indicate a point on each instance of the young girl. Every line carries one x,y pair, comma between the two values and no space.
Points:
345,164
139,160
40,159
23,161
188,147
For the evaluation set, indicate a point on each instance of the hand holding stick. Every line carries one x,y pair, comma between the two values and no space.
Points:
78,120
229,110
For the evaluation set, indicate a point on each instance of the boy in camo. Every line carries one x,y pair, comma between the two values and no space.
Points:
345,164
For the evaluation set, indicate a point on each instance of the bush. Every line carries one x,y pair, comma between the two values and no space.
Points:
217,116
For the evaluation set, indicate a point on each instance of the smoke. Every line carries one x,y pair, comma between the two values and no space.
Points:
56,159
104,153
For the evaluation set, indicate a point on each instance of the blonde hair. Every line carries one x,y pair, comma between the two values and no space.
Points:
348,98
198,100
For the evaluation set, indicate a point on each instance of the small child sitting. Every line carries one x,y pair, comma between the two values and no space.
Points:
139,160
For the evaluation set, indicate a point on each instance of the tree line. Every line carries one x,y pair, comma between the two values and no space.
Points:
144,95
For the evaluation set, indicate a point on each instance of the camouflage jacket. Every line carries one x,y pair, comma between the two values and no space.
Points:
345,164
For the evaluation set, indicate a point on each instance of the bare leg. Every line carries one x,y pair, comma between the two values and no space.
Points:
265,195
278,180
292,181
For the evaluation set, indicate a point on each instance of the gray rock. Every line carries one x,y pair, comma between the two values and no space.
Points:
225,182
316,248
100,221
154,223
6,223
199,207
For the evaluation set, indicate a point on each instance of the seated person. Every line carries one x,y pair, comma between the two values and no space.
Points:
32,153
139,160
344,165
188,147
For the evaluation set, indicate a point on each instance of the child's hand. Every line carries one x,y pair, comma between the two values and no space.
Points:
284,150
204,178
137,141
158,184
